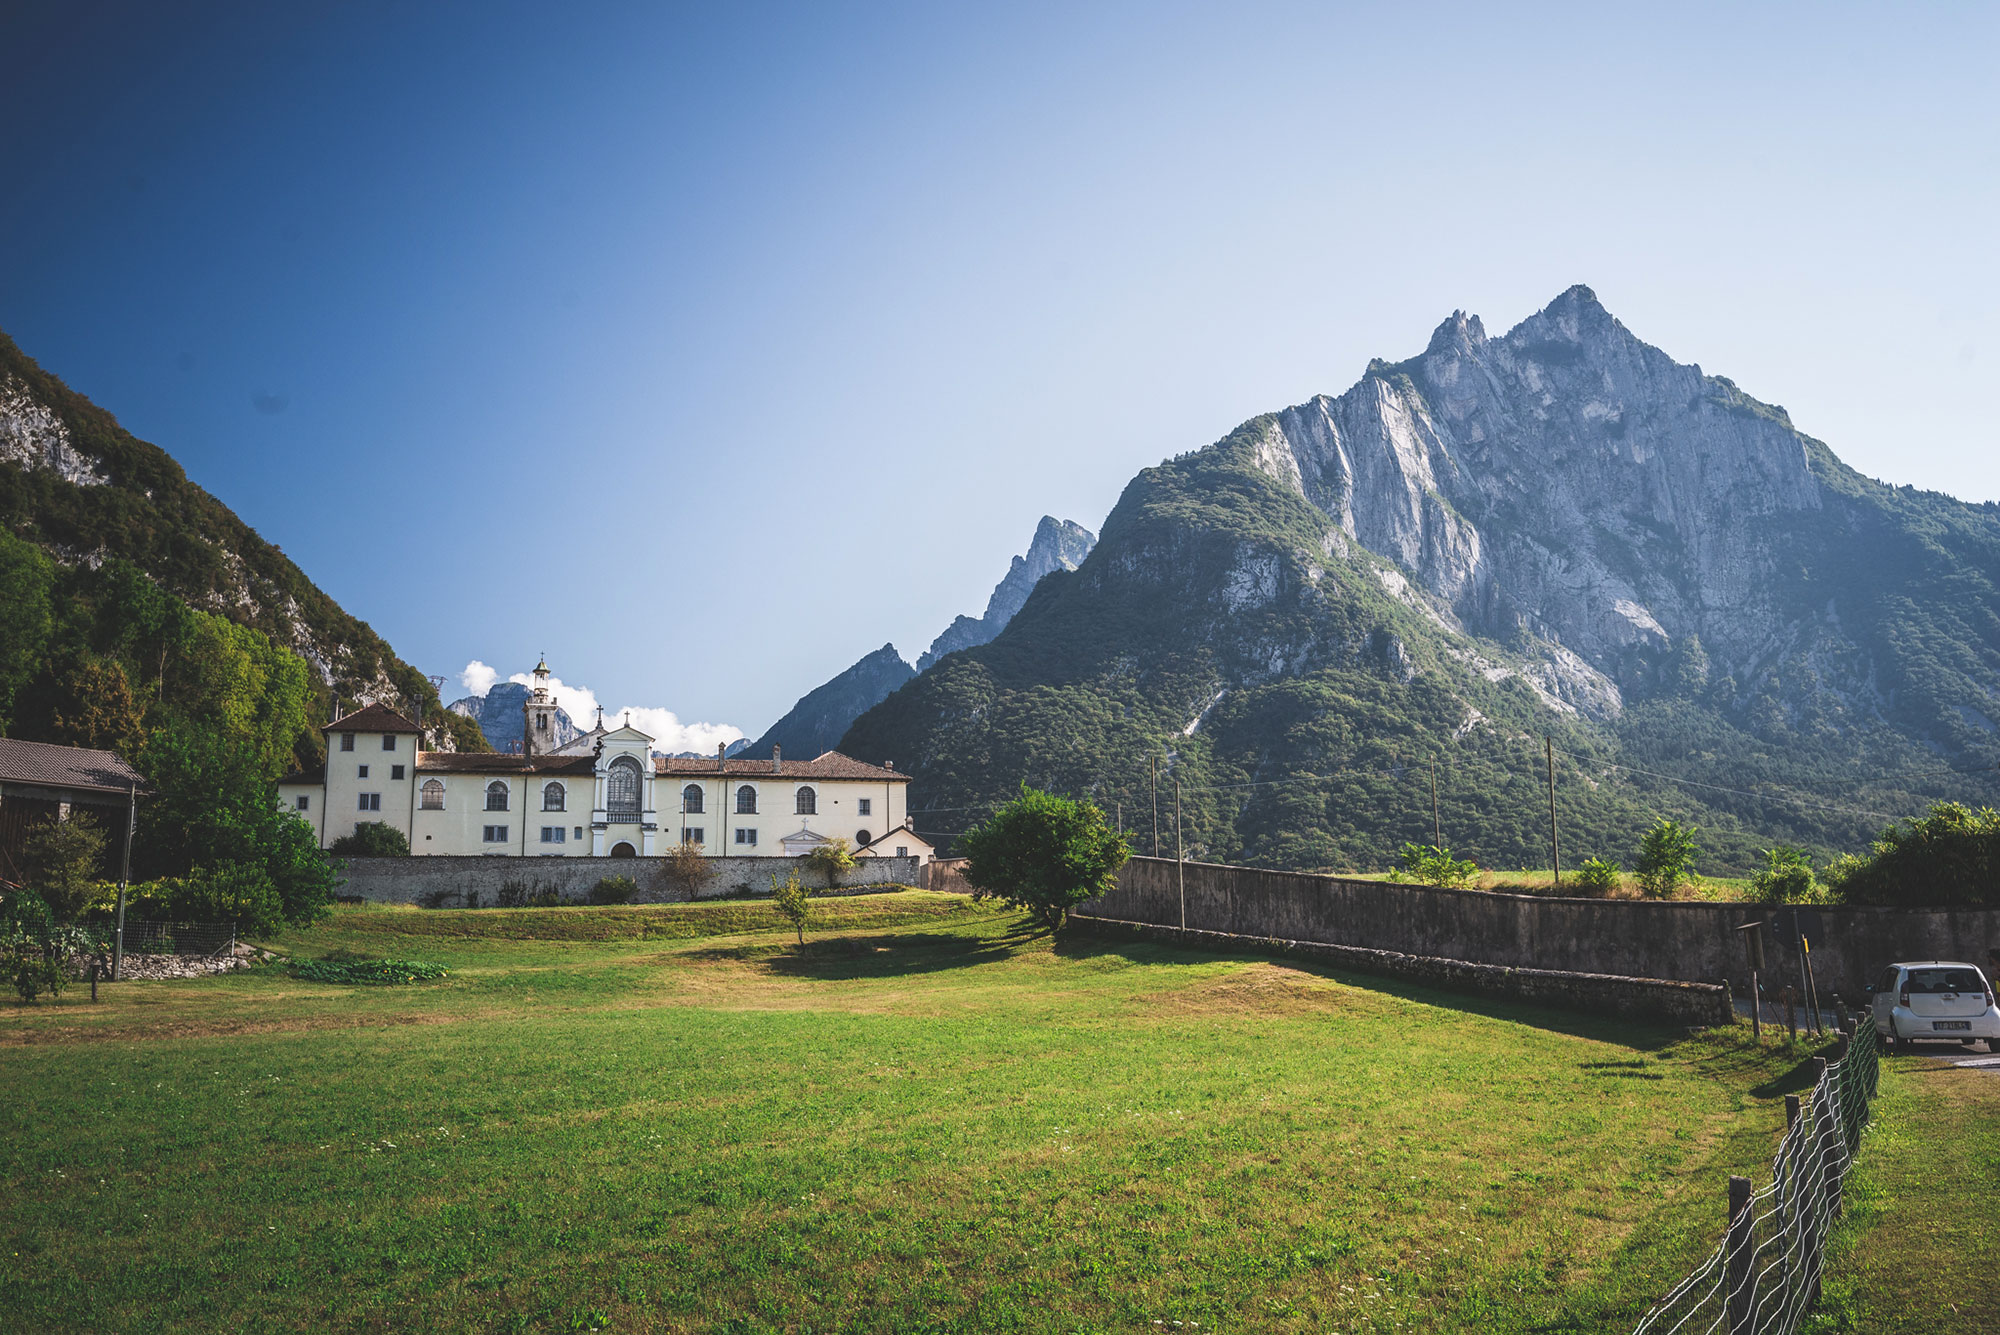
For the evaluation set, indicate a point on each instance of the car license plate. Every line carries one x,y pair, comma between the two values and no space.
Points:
1951,1024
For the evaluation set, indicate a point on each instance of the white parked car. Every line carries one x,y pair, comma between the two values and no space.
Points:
1935,1000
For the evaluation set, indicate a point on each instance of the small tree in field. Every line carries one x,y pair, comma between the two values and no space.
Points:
1667,854
832,859
1045,854
1434,866
793,905
685,870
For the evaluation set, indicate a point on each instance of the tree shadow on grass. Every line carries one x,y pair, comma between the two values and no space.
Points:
1609,1029
883,955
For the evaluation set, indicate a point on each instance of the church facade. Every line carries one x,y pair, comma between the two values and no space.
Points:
603,795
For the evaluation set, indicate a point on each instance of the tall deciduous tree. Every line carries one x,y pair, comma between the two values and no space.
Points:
1045,854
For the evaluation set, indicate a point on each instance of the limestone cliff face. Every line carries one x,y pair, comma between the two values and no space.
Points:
1567,481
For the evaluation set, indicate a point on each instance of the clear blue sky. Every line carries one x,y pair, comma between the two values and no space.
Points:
709,348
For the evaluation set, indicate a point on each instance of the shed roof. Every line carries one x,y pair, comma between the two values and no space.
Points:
830,765
495,762
54,766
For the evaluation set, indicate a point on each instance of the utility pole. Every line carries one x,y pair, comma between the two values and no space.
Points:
1156,806
1180,860
124,878
1555,845
1437,826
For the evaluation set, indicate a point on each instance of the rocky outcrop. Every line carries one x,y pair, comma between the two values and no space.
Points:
499,715
1059,544
32,436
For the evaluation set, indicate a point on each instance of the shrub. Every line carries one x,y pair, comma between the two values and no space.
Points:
528,895
793,905
833,860
614,890
1597,876
62,858
685,871
28,966
1667,855
1045,854
367,972
1787,878
1426,865
371,839
1950,855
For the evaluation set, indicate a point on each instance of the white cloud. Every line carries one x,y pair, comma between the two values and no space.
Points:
663,725
478,678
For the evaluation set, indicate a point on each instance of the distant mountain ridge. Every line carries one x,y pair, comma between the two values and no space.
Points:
1559,531
499,714
816,723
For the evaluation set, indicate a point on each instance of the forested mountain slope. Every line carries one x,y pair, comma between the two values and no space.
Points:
103,507
1560,533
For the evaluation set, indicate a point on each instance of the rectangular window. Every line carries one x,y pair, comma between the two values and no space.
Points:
305,803
388,741
395,771
553,834
865,805
745,836
361,771
347,741
694,834
902,850
579,832
494,834
370,802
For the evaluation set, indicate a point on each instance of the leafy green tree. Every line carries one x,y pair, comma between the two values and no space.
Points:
1426,865
26,580
1045,854
1787,878
833,860
63,859
95,707
1948,856
793,904
371,839
1667,855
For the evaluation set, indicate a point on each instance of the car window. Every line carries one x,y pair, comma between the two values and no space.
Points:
1889,976
1945,980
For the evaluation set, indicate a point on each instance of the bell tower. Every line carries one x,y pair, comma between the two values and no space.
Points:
538,714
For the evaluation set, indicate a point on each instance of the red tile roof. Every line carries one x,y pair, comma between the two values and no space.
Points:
65,767
372,718
831,765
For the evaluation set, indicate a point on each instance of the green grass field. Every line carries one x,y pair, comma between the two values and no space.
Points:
929,1119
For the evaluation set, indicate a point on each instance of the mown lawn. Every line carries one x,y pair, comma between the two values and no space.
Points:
929,1119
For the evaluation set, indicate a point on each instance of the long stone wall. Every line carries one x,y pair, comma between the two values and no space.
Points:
1691,941
462,882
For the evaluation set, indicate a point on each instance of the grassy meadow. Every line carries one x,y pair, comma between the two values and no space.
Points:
930,1118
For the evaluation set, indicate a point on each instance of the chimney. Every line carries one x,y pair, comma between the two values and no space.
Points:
777,766
720,749
888,764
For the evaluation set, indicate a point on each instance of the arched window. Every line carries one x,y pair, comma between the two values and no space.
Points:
496,796
862,839
553,797
808,803
433,796
746,801
691,799
621,789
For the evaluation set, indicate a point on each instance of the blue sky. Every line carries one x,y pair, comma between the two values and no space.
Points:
708,348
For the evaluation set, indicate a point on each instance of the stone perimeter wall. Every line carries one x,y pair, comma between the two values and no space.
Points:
1645,999
1689,941
409,880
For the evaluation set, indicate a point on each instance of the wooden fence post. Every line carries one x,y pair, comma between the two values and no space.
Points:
1739,1257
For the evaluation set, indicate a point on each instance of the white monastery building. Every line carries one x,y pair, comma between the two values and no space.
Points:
603,795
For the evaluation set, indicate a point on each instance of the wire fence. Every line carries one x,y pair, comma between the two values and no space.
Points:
147,937
1764,1276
